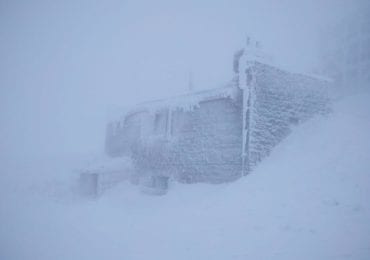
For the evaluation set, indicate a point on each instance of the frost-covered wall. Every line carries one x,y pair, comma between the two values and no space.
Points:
281,100
216,136
207,142
198,145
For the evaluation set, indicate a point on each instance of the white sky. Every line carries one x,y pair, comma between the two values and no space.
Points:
64,64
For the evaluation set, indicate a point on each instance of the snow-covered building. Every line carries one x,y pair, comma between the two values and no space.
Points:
221,134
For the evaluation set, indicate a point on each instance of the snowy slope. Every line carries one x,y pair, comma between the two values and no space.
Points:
308,200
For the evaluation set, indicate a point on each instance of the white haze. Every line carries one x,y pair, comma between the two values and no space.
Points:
66,65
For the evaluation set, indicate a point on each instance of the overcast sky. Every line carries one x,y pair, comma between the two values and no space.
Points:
65,64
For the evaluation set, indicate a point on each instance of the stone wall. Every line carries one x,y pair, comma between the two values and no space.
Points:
282,100
207,142
200,145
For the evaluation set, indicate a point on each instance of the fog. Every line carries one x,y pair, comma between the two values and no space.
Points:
288,152
66,66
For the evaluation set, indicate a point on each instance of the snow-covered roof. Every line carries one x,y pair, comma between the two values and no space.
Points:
187,101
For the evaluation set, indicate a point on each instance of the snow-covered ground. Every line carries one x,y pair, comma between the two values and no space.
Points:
310,199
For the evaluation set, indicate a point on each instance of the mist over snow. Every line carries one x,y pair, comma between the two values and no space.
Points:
67,67
308,200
